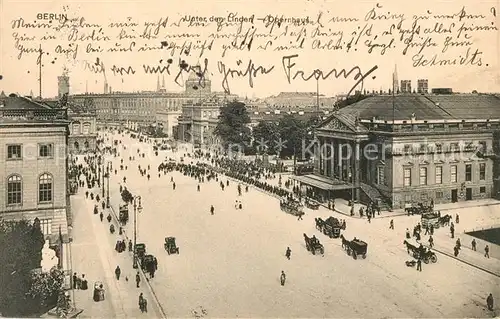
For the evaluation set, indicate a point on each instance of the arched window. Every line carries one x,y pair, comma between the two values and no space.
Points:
45,188
86,128
76,128
14,190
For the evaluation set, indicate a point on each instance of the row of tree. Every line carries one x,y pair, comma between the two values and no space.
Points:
283,137
25,291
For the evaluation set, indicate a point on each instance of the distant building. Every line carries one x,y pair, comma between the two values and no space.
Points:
33,143
422,86
405,86
442,91
294,100
168,119
63,84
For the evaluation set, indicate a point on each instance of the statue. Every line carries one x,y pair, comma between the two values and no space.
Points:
49,258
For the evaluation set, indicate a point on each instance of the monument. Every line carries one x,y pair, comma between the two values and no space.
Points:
49,258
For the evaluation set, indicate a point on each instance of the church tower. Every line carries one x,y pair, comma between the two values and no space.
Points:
63,83
395,81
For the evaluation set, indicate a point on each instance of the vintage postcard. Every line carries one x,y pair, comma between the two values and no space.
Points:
250,159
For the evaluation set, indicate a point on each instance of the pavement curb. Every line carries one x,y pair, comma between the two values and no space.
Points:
161,311
465,262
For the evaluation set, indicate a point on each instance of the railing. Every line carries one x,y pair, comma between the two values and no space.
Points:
28,115
435,150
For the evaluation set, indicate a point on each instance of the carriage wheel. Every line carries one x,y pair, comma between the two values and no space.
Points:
168,251
313,251
354,255
322,251
348,251
426,260
177,251
434,259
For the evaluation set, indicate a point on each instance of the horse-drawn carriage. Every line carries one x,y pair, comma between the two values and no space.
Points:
430,218
140,251
330,227
313,245
420,252
148,263
170,245
419,208
312,204
354,247
123,214
292,206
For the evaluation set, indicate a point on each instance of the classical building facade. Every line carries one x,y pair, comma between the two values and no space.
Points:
33,157
82,129
407,149
197,122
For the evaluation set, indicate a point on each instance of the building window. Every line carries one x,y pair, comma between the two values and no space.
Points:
439,175
482,146
453,173
46,226
439,148
380,176
454,147
422,148
76,128
407,177
45,188
45,150
482,190
439,195
423,175
482,171
14,151
14,190
407,148
86,128
424,197
468,172
408,198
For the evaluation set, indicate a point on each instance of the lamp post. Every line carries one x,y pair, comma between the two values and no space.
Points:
103,178
137,206
107,190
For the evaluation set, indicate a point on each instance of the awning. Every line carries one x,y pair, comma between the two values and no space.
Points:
322,182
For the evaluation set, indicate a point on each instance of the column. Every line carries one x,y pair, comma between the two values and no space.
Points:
332,158
356,169
316,158
325,157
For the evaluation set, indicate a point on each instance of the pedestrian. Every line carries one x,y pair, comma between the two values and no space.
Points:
369,216
137,279
103,205
489,302
352,210
95,210
101,216
141,302
173,186
452,231
458,243
212,209
288,253
473,244
457,219
130,248
109,218
431,242
282,278
198,187
391,224
487,251
456,251
300,216
76,281
419,264
144,305
118,272
432,229
408,233
87,194
427,230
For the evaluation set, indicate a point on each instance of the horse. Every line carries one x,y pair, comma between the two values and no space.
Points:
345,242
409,247
445,220
319,223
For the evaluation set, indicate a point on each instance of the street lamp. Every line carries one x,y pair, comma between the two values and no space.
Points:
107,191
137,206
102,177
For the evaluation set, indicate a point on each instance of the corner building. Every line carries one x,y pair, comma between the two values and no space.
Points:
404,149
33,164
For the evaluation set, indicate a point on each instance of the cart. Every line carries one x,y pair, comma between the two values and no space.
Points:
357,247
429,219
140,251
291,206
312,204
170,246
331,227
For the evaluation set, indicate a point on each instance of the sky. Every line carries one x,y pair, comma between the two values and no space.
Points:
470,72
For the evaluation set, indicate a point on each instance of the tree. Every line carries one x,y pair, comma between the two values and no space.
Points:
266,134
293,132
232,125
21,246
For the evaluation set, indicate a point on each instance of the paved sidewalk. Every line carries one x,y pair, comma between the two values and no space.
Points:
94,255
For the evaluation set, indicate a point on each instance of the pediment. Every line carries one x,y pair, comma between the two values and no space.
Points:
335,124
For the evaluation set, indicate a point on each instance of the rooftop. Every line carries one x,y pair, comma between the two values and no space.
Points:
15,109
426,107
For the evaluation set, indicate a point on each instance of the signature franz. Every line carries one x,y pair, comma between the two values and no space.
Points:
291,72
